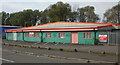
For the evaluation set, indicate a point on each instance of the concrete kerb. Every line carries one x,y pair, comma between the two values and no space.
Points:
61,49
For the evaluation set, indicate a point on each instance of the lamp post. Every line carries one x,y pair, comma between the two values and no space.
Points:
118,12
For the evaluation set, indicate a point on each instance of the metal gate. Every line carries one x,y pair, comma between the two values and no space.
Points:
114,37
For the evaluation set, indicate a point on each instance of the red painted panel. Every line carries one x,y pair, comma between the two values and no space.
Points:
74,37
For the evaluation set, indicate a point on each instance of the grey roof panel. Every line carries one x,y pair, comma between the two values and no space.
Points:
65,25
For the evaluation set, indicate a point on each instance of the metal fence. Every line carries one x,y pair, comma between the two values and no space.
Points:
114,37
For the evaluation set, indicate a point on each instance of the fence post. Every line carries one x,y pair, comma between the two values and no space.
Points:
108,38
116,37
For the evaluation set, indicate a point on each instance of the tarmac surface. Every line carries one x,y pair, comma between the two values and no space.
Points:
77,55
14,54
51,56
9,57
94,48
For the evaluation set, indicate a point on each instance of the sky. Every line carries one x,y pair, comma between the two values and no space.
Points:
11,6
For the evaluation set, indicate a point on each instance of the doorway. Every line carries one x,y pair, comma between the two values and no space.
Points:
74,38
15,36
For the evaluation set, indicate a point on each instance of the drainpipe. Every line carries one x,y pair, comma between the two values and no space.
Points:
95,37
116,38
41,36
23,35
108,37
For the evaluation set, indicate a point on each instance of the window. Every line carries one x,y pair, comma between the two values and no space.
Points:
31,34
36,35
9,34
48,35
26,34
18,34
61,35
87,35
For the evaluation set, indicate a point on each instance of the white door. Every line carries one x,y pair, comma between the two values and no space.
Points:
15,36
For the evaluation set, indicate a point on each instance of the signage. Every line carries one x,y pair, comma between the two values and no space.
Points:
31,34
102,38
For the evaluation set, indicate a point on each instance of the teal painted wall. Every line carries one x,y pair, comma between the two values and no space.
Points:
9,38
81,39
20,38
32,39
55,37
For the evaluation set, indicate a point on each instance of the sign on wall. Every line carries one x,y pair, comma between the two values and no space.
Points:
31,34
102,38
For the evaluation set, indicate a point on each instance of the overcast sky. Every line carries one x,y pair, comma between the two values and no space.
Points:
19,5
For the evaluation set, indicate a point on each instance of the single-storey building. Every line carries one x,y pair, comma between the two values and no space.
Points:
67,32
5,27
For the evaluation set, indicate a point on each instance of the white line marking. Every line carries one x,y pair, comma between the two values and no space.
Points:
6,60
45,43
56,43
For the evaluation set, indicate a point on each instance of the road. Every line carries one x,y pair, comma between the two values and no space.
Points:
23,58
94,48
10,57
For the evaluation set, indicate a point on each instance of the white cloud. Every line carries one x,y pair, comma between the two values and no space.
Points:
15,6
60,0
19,6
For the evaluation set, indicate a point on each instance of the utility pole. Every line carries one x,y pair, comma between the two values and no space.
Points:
118,22
118,13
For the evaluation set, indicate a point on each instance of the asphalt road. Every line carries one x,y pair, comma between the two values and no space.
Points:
95,48
10,57
55,53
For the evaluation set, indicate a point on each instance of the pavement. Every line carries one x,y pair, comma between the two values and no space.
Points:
66,57
85,48
22,52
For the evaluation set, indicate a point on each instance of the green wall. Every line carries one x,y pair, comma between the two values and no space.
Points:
20,38
81,39
9,38
32,39
67,39
55,37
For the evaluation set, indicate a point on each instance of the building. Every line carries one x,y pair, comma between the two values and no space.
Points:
67,32
4,27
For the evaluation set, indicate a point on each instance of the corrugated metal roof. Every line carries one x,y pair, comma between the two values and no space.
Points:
65,25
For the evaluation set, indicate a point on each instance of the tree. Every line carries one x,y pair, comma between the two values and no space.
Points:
72,17
5,17
87,14
25,18
58,11
111,15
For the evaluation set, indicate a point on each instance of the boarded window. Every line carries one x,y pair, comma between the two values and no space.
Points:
18,34
9,34
61,35
26,34
48,35
87,35
36,35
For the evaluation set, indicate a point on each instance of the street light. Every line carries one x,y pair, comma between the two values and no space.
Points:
118,12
